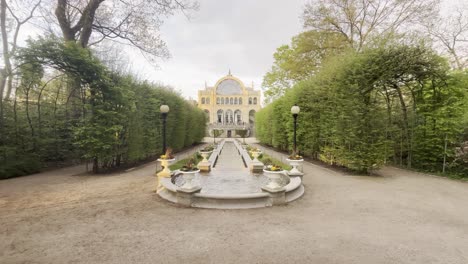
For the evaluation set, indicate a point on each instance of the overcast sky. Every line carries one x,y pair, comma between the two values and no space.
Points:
238,35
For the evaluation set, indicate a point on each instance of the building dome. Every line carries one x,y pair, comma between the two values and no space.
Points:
229,87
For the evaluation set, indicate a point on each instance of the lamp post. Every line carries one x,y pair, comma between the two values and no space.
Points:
164,110
295,112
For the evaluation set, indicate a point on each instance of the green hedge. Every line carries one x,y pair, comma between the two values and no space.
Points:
352,111
86,113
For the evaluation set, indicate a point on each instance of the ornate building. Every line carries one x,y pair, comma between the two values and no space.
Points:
229,105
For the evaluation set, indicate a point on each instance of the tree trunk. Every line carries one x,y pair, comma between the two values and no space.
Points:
405,124
6,72
33,136
61,14
95,165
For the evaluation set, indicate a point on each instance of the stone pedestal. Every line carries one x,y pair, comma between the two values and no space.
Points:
256,166
185,196
204,165
277,195
166,172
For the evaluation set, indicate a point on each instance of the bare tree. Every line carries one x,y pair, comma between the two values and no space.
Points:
359,21
450,35
19,12
135,23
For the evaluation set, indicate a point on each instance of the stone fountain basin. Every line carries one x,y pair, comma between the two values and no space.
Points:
230,186
238,199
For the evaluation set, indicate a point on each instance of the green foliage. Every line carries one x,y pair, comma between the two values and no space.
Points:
242,133
268,160
301,60
390,104
196,158
217,133
117,121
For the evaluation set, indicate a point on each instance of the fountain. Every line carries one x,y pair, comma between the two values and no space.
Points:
230,184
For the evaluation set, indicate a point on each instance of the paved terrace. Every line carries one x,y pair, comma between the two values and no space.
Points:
63,216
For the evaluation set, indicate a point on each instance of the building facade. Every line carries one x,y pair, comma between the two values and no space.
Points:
229,105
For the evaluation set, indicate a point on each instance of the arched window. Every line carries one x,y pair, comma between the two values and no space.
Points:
222,100
255,100
203,100
220,116
217,100
240,100
237,117
231,100
207,100
235,101
250,100
229,117
226,100
251,117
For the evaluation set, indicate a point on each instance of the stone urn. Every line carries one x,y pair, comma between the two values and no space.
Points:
274,177
205,165
295,163
188,178
205,155
255,155
166,172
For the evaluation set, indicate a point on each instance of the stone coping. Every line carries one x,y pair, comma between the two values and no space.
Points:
215,154
232,196
244,154
293,184
167,183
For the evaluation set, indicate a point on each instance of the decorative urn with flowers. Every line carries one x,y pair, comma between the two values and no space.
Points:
189,170
166,160
295,160
255,153
205,165
273,172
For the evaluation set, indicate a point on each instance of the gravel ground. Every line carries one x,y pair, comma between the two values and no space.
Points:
65,216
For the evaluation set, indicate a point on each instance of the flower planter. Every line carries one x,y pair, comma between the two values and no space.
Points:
188,177
275,178
166,172
255,155
205,155
205,165
294,163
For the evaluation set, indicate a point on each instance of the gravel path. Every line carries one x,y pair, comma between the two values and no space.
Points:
64,216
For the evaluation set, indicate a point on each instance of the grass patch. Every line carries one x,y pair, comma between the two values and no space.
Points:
266,159
179,164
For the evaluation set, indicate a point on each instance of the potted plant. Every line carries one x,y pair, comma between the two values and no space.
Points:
255,153
295,160
189,170
273,172
205,165
165,160
206,151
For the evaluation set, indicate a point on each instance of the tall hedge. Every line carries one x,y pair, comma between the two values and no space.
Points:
397,104
70,108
